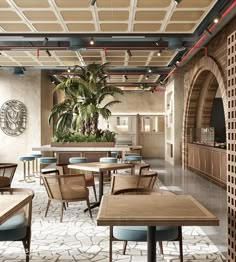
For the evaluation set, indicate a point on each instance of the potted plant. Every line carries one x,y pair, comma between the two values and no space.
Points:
76,118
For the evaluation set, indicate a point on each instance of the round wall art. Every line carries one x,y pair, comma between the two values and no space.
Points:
13,117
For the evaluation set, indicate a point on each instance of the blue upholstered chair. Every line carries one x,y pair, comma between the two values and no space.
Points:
18,226
139,233
89,177
26,167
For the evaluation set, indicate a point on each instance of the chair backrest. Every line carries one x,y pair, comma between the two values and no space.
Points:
143,168
143,191
132,181
55,183
8,170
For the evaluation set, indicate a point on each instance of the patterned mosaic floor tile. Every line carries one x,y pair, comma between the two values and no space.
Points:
79,239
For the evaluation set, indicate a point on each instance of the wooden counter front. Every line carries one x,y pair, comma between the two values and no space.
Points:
208,161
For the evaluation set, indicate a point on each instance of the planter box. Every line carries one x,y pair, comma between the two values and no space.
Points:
83,144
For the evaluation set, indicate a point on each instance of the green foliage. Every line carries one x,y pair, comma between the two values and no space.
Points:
70,136
84,101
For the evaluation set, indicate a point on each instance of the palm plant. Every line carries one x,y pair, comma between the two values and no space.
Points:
84,100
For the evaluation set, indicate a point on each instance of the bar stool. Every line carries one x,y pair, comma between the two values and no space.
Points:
36,162
108,159
26,168
89,177
133,158
44,161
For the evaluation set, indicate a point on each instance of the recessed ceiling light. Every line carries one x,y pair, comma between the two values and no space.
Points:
159,53
91,41
216,20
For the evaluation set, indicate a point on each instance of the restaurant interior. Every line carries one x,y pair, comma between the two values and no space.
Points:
117,130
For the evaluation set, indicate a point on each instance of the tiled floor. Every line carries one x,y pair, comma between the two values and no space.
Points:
79,239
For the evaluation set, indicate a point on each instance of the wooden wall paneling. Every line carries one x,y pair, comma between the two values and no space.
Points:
223,167
209,161
216,165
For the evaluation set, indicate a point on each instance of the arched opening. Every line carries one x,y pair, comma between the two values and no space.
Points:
203,85
207,109
205,125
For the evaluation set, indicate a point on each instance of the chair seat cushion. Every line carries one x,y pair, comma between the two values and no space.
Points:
36,155
15,228
139,233
133,158
4,181
75,160
108,160
48,160
26,158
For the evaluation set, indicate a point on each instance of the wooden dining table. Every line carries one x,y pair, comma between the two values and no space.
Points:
10,204
101,167
151,211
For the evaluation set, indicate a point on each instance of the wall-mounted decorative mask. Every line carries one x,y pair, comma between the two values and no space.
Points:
13,117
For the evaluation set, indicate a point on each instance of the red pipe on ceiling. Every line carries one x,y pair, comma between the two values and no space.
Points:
232,5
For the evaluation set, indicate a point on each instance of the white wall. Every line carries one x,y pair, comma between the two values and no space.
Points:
28,90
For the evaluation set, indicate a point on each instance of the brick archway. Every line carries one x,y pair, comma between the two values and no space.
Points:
201,73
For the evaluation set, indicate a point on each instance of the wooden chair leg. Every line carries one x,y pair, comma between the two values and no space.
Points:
89,209
181,245
110,243
95,194
49,201
26,244
161,248
62,208
124,247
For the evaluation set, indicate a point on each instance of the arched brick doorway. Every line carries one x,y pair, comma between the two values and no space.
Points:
201,85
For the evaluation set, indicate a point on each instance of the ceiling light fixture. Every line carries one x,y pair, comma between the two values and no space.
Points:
146,77
177,1
129,52
45,41
91,41
159,52
216,20
69,70
208,31
125,77
48,52
92,2
149,70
